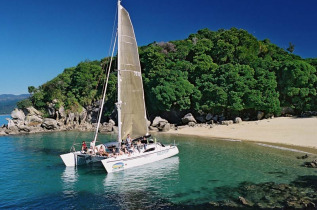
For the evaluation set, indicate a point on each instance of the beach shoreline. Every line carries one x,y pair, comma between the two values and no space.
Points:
291,131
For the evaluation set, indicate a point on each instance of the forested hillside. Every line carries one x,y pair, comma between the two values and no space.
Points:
225,72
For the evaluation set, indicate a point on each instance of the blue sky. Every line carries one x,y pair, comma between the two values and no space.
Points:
40,38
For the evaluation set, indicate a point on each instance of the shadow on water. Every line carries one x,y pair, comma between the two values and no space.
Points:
44,151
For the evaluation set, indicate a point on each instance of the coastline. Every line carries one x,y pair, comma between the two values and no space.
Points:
291,131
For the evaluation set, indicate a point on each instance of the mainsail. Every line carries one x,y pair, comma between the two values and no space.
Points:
131,105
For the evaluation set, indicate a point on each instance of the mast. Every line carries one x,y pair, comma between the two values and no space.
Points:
119,79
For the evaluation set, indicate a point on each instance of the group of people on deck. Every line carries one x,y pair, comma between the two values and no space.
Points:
127,147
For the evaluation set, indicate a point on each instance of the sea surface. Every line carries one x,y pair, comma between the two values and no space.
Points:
32,175
3,119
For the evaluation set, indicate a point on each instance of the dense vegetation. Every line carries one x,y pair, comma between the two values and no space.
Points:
226,72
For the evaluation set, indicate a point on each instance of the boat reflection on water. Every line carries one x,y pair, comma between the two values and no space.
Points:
144,176
69,179
143,187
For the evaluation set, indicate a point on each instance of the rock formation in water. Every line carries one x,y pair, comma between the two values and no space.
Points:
31,120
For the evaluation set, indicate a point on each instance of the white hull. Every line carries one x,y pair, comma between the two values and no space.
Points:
137,159
78,158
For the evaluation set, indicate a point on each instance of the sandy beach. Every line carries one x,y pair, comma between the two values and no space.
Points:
282,130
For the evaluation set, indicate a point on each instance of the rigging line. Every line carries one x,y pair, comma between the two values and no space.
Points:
74,142
110,46
105,67
114,33
105,89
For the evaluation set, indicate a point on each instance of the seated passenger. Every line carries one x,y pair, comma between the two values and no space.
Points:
114,153
102,151
128,141
138,146
131,149
145,142
93,147
124,149
84,147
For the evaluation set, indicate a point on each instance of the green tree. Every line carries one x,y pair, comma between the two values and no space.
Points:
291,48
297,84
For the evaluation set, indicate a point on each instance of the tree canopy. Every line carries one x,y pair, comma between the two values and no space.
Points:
227,72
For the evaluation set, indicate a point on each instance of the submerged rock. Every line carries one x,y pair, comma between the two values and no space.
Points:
300,194
312,164
244,201
303,157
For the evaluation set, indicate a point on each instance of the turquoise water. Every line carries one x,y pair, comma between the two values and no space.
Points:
3,119
32,174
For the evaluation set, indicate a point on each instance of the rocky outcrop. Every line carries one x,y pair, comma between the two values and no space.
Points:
260,115
18,115
70,118
92,112
287,111
157,120
164,127
61,112
51,110
49,124
188,118
200,119
227,122
209,117
33,117
160,124
191,124
237,120
113,122
82,116
31,120
31,111
153,129
2,132
11,125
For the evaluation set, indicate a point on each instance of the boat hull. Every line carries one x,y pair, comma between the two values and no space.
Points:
124,162
77,158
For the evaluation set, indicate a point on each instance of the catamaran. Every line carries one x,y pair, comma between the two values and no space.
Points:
131,109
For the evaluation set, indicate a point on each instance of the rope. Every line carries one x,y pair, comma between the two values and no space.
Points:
113,37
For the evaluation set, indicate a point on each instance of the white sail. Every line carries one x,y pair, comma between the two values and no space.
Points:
131,108
131,112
